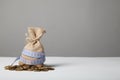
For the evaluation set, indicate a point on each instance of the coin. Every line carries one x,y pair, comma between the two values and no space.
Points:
28,68
45,69
50,68
7,67
18,69
25,67
21,67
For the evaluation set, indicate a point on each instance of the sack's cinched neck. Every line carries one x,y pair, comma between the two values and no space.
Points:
34,34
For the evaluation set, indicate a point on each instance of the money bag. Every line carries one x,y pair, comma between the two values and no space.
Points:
33,52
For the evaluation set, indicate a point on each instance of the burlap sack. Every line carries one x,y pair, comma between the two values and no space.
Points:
33,43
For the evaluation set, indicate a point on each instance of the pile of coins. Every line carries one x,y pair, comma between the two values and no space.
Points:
28,68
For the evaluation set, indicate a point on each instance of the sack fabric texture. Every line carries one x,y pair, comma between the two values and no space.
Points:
33,52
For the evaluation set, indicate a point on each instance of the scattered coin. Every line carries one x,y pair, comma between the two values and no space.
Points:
45,69
50,68
28,68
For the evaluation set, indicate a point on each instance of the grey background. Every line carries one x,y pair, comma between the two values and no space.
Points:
85,28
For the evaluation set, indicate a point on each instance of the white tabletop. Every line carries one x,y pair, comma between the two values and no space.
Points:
68,68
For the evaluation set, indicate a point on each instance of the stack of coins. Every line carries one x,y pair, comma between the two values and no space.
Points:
28,68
